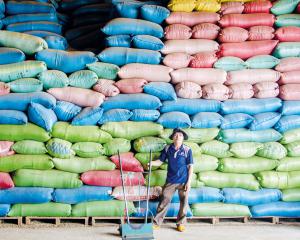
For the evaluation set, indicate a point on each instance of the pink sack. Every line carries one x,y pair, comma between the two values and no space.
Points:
205,31
245,50
177,60
233,35
266,90
190,46
247,20
131,85
201,76
290,77
215,92
258,7
288,64
136,193
149,72
241,91
259,33
298,8
5,148
129,162
106,87
203,60
188,90
288,34
252,76
192,18
4,89
112,178
5,181
231,7
178,32
290,92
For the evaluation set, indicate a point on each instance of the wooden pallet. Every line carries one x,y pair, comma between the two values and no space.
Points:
16,220
106,220
216,220
270,219
58,220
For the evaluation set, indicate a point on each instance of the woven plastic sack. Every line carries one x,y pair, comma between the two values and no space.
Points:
13,117
192,18
236,120
288,34
6,181
259,33
206,120
26,85
60,148
280,180
287,49
164,91
203,60
29,147
216,149
14,7
262,61
129,162
147,42
115,115
233,35
182,6
66,111
291,195
118,41
83,79
263,121
230,64
174,120
104,70
177,60
245,149
205,6
289,164
290,92
215,91
205,31
283,7
293,149
281,209
291,136
147,144
154,13
188,90
266,90
140,115
177,32
11,55
88,149
4,89
6,148
289,64
287,123
116,144
88,116
131,85
231,7
241,91
290,108
204,163
53,79
257,7
136,193
106,87
288,20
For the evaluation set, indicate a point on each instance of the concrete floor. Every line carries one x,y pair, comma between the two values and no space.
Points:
195,231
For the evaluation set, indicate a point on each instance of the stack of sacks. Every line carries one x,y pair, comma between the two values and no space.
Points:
2,12
35,18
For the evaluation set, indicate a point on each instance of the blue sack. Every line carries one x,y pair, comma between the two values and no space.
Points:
55,42
26,195
288,123
11,55
35,26
128,9
236,120
120,26
93,8
65,61
132,101
251,106
174,120
264,121
154,13
164,91
191,106
88,116
4,209
20,18
41,116
13,117
66,111
206,120
115,115
147,42
141,115
82,194
23,7
118,41
2,6
201,195
290,108
281,209
250,198
20,101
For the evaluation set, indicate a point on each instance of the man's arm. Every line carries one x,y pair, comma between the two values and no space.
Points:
161,160
190,163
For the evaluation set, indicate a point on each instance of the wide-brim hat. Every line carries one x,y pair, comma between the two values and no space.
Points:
176,130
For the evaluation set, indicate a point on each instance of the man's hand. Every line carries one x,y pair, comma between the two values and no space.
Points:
187,186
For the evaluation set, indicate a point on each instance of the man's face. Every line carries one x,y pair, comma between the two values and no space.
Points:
178,138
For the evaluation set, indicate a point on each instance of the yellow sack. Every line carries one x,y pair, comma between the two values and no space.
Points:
207,6
222,1
182,5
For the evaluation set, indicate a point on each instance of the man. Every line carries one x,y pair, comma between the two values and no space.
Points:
179,177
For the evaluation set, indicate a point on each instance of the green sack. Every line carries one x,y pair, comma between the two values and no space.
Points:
196,149
245,149
293,149
246,165
228,180
26,85
19,161
216,148
262,62
289,164
59,148
144,158
230,64
280,180
53,79
195,135
112,208
88,149
272,150
49,209
219,210
117,144
29,147
205,163
75,134
132,130
281,7
104,70
287,20
28,131
287,49
26,69
147,144
83,79
291,195
291,136
46,178
80,165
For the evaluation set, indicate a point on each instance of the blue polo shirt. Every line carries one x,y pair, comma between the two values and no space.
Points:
178,162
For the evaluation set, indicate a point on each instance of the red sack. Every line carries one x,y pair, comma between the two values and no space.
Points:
178,32
290,92
231,7
259,33
247,20
5,148
129,162
245,50
289,77
131,85
258,7
4,89
192,18
288,64
206,31
112,178
203,60
233,35
5,181
288,34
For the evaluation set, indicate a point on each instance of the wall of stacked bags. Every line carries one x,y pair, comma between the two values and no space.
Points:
226,72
